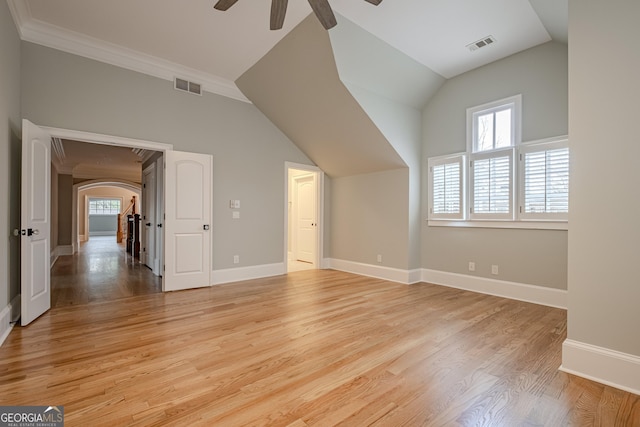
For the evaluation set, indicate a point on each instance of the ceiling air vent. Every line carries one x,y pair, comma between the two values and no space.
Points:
485,41
187,86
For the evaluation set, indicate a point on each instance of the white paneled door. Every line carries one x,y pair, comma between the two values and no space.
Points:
188,180
305,203
35,222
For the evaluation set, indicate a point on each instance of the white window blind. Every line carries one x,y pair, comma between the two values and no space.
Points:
492,186
446,185
545,180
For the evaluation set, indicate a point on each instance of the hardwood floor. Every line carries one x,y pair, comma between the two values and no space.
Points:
315,347
100,271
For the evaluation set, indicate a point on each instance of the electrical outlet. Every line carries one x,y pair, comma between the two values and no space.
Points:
235,215
379,258
236,259
472,266
494,269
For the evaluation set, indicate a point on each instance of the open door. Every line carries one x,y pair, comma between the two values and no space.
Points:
187,221
35,222
305,217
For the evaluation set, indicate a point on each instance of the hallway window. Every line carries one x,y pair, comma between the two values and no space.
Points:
104,206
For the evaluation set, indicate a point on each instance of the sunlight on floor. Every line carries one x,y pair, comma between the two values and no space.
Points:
299,266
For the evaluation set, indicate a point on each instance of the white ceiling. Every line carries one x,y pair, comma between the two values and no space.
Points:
190,39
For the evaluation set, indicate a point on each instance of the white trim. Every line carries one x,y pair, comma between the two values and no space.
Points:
97,138
379,272
518,291
609,367
247,273
461,160
8,317
531,225
42,33
320,209
60,251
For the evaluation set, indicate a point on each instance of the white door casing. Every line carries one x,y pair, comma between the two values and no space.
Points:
188,180
305,218
157,268
35,222
148,224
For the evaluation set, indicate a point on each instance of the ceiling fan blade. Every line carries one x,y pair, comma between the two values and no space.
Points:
278,11
374,2
224,4
324,13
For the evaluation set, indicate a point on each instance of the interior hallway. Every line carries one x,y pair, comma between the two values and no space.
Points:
100,271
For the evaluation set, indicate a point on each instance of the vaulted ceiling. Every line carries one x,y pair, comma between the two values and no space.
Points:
191,39
399,50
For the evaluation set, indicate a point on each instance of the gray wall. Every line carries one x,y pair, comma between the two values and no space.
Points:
103,225
604,238
67,91
10,129
53,243
525,256
369,216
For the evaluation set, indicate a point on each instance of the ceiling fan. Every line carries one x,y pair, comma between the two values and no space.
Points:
279,8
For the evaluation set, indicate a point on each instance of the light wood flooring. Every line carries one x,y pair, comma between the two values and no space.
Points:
315,347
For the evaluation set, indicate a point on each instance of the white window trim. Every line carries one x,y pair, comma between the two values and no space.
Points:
94,198
504,152
516,119
515,102
515,219
537,146
441,160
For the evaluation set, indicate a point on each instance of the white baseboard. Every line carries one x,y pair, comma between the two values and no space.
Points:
519,291
103,233
8,316
59,251
377,271
609,367
247,273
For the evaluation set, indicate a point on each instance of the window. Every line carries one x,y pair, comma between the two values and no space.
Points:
104,206
509,183
544,177
494,132
446,175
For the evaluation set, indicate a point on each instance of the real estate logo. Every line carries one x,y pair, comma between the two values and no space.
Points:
31,416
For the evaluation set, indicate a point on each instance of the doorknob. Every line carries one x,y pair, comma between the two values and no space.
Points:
148,224
31,231
205,227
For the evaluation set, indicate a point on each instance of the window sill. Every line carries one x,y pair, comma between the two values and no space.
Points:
531,225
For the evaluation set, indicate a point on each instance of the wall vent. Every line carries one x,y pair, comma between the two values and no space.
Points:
187,86
485,41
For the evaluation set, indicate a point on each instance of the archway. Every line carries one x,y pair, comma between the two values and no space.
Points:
75,223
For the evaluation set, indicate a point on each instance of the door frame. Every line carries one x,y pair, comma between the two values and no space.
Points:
148,200
96,138
319,215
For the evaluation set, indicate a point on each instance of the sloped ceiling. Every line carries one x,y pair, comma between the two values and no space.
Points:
296,85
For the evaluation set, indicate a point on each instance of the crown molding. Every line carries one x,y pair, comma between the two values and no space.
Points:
42,33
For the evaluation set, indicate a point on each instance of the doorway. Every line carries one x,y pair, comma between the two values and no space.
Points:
189,179
304,207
